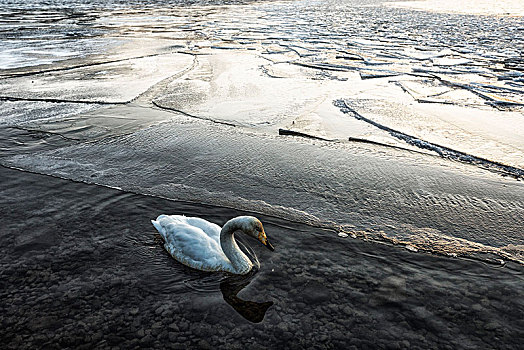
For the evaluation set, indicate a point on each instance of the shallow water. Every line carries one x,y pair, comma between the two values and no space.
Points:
82,266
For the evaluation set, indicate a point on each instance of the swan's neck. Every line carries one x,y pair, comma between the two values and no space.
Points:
239,260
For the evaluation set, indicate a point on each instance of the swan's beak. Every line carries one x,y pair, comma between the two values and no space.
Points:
262,238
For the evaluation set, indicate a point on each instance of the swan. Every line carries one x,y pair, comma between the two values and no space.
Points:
205,246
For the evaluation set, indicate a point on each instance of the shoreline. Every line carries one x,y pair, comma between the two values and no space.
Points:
428,186
439,245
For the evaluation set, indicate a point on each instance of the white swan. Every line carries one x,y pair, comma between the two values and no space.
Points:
202,245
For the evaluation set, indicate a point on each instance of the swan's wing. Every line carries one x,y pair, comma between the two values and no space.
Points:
191,245
209,228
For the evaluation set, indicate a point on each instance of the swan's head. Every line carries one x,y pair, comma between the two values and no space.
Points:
254,228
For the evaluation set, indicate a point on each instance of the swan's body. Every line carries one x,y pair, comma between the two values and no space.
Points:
205,246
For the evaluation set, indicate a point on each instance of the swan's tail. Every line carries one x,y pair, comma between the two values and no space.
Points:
159,228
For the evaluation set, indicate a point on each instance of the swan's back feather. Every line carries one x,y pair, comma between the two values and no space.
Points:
193,241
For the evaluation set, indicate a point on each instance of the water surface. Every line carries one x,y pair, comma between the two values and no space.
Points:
82,266
380,146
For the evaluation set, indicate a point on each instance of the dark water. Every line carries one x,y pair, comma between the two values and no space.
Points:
81,267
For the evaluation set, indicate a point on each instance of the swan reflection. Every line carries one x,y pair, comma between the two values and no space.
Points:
251,310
